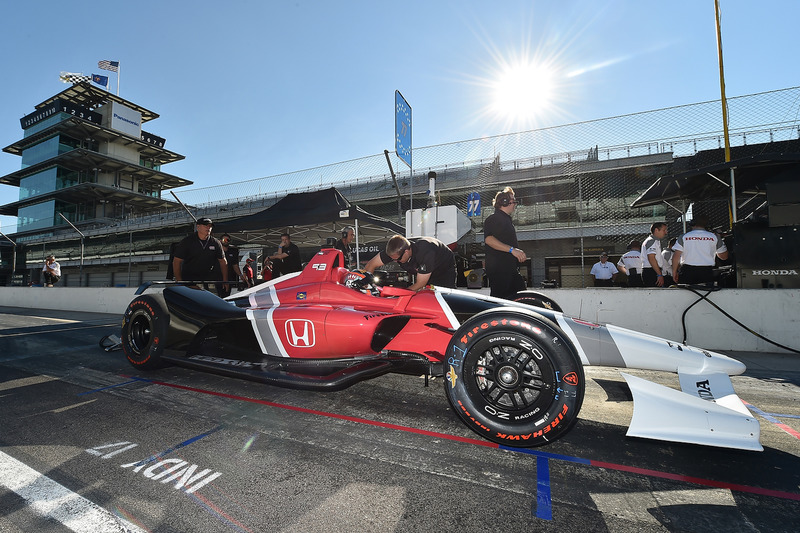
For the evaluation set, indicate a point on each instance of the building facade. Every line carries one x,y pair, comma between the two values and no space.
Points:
86,162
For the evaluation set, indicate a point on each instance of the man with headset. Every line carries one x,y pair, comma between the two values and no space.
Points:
502,255
343,244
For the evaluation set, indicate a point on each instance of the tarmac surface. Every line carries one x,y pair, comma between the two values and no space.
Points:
88,443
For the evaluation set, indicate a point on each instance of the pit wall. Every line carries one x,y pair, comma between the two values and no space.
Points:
772,313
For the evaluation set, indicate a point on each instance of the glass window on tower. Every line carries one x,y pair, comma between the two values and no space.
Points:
38,216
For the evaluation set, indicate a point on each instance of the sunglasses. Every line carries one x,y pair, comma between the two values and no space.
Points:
400,255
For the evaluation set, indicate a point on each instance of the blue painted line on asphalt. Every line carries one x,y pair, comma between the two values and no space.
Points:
539,453
767,416
544,503
106,388
158,456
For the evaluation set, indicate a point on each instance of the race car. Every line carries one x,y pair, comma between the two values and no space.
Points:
513,370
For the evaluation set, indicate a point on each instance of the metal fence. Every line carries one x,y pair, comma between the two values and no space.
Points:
576,182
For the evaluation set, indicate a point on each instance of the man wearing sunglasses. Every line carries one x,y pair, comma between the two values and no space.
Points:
502,255
200,257
429,259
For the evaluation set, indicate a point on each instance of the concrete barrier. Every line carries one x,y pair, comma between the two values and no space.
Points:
90,299
772,313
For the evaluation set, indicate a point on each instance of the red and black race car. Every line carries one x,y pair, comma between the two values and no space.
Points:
513,370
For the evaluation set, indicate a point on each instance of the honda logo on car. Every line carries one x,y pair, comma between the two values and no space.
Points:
300,333
774,272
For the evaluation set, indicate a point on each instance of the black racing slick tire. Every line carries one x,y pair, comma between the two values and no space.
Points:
537,299
144,331
514,377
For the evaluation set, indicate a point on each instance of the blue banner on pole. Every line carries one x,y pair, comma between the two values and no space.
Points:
474,204
402,128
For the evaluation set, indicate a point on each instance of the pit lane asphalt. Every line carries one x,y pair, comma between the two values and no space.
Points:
384,455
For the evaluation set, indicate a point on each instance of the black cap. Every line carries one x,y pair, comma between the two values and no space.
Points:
205,221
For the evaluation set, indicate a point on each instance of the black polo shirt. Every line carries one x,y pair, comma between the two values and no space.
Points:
500,226
345,248
429,256
292,262
232,257
200,258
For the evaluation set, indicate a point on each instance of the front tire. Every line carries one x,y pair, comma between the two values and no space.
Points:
144,331
514,378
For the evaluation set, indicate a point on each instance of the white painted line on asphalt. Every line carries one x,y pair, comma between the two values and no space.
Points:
636,506
54,501
53,319
25,382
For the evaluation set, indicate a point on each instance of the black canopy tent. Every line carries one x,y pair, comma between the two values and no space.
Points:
751,176
310,218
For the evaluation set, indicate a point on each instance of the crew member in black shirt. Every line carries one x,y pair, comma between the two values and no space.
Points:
232,258
343,244
430,259
200,257
502,255
287,258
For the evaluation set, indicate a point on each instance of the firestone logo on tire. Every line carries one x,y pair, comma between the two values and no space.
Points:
571,378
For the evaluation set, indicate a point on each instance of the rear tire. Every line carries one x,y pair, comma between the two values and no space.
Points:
537,299
144,331
514,377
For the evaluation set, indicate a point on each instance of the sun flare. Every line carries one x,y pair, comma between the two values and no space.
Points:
523,92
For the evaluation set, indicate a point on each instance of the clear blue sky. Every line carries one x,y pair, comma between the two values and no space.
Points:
248,89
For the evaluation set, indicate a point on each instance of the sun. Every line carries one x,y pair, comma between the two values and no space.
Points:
523,92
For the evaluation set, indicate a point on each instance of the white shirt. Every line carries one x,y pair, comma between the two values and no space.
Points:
699,247
602,270
652,246
54,268
668,260
631,260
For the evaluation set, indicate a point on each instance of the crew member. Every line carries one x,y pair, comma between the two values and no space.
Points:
652,260
604,272
343,244
232,258
695,253
200,257
286,259
500,241
630,264
247,273
430,259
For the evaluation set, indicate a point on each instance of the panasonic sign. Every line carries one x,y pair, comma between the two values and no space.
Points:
125,120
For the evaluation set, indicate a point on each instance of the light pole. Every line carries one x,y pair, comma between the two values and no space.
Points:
80,275
725,113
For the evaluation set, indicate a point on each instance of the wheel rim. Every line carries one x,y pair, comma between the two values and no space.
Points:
512,378
140,333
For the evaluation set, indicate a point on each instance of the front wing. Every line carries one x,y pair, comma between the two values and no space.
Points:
705,411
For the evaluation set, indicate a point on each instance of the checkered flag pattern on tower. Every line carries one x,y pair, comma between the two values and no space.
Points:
73,77
113,66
